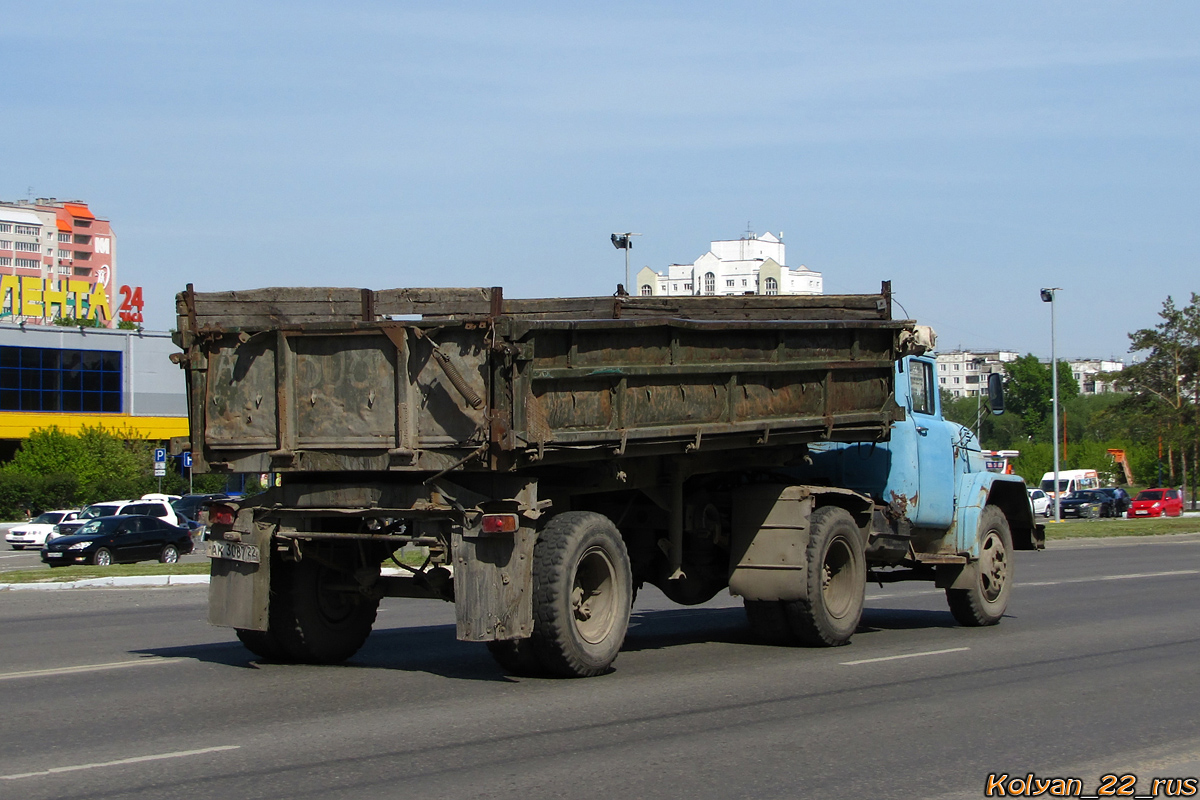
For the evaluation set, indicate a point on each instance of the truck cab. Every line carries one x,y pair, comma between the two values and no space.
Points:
930,478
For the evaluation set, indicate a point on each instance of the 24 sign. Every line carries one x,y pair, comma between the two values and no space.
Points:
130,309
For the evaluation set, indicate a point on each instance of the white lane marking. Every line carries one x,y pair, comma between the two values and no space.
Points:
119,762
1053,583
42,673
1113,577
906,655
20,556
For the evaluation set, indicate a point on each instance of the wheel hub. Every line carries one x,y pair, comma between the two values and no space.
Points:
593,601
993,566
838,585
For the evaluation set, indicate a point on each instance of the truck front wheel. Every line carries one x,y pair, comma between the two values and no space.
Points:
987,598
582,594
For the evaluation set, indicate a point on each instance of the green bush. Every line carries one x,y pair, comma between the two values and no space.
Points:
35,493
55,469
105,465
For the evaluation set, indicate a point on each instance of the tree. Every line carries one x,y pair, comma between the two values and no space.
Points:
105,465
1028,391
1165,385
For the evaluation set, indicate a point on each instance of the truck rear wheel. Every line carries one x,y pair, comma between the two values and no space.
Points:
314,618
984,603
517,657
837,581
582,594
262,644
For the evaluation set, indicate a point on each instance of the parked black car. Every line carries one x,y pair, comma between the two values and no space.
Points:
1119,497
108,540
1087,503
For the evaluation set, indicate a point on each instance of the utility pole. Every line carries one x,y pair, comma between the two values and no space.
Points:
1048,296
622,241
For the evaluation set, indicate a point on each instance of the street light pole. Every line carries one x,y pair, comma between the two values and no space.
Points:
622,241
1048,296
979,365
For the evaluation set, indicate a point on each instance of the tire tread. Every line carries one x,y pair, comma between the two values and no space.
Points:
808,618
553,634
968,606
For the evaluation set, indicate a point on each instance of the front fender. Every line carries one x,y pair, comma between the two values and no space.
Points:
979,489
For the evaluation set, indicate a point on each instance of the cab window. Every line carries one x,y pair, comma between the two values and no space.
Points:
920,376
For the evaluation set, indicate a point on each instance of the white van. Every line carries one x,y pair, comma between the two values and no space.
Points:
1070,481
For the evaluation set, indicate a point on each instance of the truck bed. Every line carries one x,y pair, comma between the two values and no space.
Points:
429,380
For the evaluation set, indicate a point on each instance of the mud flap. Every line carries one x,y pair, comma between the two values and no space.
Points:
238,591
770,542
493,584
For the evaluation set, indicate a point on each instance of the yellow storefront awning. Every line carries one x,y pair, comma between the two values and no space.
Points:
19,424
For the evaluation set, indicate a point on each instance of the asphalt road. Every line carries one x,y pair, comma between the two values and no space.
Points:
1094,671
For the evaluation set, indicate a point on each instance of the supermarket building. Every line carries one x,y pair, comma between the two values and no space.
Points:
72,377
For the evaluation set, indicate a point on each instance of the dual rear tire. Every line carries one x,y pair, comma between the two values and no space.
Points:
835,583
315,616
582,596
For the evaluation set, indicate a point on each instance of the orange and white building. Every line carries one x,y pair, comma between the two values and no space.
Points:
57,259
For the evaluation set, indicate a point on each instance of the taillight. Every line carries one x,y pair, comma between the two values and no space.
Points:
221,515
500,523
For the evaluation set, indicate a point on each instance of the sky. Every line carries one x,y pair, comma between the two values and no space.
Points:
970,153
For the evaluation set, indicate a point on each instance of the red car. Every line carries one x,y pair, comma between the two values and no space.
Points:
1156,503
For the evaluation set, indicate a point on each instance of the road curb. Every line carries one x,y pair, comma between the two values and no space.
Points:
1121,541
126,582
117,582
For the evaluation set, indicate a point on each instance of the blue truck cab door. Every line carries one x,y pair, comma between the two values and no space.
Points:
921,478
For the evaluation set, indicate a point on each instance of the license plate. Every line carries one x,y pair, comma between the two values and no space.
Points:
232,551
54,555
1141,512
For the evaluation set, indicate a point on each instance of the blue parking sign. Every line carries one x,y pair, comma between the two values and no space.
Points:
160,455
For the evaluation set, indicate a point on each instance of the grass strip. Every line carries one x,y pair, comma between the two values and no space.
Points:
1103,528
62,574
82,572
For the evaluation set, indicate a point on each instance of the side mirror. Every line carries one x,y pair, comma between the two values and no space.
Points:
995,390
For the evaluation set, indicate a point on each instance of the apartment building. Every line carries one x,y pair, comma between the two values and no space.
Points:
57,259
964,373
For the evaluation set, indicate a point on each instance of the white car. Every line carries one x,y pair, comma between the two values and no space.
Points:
34,532
148,508
1040,502
155,508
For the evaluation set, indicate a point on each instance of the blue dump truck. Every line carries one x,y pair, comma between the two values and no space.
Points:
546,458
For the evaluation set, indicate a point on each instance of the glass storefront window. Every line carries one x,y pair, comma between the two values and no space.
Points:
46,379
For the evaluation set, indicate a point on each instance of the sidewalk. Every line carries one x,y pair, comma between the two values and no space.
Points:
126,582
120,582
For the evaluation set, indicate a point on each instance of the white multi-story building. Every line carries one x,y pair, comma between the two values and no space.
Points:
751,265
1089,374
964,373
